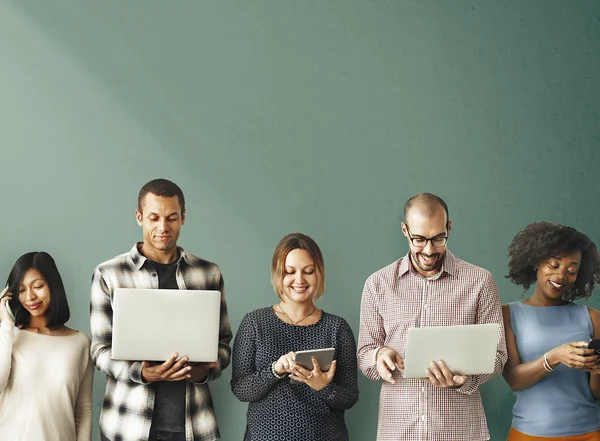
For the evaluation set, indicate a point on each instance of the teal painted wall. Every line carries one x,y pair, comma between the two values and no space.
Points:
277,116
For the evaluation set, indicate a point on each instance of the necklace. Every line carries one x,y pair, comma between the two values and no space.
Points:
302,319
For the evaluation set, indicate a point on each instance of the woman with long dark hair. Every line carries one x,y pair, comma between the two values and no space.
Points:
46,373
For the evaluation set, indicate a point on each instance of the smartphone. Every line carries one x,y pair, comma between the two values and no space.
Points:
12,315
323,356
594,343
9,310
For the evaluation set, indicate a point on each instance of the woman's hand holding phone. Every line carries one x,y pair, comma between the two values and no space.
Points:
594,343
576,355
6,313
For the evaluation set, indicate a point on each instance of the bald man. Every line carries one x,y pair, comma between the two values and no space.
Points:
427,287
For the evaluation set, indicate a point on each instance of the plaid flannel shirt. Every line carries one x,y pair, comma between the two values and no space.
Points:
129,401
397,298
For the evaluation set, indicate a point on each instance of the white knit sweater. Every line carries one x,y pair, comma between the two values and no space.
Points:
45,386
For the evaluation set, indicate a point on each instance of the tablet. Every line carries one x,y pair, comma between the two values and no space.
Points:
466,349
152,324
323,356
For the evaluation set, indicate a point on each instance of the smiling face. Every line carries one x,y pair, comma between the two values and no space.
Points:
426,260
300,277
34,296
161,220
555,276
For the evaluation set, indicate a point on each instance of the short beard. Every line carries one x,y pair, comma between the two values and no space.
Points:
416,261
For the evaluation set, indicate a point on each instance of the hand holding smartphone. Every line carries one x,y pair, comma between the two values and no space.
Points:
10,312
594,343
5,293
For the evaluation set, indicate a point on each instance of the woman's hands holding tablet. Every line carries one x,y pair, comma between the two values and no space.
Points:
315,378
285,363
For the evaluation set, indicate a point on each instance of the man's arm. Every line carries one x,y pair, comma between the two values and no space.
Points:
204,372
371,333
489,310
101,315
375,360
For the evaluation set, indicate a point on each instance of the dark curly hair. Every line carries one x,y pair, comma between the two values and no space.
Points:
543,240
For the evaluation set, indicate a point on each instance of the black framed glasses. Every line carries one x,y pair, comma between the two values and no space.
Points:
421,242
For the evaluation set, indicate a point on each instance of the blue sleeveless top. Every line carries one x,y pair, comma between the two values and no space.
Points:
561,403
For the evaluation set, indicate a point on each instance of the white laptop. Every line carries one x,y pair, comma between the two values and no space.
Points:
152,324
465,349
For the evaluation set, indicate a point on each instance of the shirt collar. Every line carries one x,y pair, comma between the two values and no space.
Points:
448,265
139,259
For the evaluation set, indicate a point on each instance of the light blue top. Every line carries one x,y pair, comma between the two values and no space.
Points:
561,403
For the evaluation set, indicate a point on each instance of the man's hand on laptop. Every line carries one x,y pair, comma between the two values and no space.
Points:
172,369
388,360
439,375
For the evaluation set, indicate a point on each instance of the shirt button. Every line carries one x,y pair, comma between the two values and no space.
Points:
423,417
153,274
423,389
425,306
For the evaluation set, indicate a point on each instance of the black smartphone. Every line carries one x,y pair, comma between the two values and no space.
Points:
594,343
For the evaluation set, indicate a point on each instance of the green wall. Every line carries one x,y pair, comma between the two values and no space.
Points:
277,116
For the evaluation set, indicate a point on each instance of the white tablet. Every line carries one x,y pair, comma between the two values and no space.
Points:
466,349
152,324
323,356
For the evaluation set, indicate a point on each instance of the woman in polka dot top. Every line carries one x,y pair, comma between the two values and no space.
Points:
311,408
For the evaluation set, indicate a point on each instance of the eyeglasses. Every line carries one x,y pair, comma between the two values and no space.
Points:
421,242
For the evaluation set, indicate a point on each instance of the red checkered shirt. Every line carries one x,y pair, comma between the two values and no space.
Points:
397,298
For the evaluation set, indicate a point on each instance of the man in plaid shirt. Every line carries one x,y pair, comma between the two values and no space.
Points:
427,287
156,401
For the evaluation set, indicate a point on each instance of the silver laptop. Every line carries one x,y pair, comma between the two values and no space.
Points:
466,349
152,324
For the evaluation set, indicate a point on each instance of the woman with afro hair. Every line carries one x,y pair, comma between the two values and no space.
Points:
556,378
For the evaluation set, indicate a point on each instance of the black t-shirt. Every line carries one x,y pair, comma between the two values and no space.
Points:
169,403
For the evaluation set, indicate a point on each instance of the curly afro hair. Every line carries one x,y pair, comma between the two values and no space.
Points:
542,240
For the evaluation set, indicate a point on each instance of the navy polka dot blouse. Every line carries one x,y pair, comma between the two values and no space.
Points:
279,410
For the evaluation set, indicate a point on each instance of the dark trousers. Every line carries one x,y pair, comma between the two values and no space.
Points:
159,435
